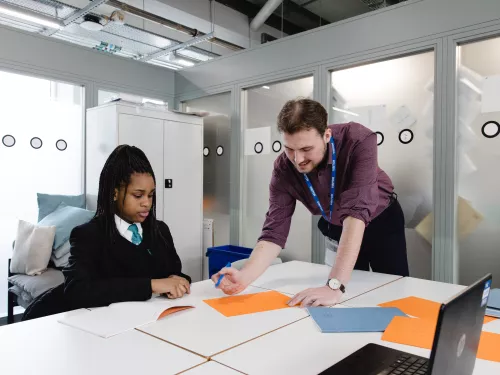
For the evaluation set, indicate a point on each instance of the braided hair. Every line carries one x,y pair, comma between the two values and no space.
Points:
124,161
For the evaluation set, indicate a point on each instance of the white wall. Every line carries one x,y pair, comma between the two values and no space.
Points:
411,21
37,55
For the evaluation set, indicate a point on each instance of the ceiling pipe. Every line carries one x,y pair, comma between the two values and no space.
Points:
264,14
170,24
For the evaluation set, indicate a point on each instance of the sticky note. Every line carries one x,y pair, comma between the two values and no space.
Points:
416,307
249,303
411,331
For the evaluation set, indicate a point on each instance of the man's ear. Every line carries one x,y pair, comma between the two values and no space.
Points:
115,197
328,135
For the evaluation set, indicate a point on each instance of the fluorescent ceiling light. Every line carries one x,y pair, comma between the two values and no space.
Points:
266,87
344,111
183,62
30,16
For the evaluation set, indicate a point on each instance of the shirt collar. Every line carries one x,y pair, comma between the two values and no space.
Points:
122,226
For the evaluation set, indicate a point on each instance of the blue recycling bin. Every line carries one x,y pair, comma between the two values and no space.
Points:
219,256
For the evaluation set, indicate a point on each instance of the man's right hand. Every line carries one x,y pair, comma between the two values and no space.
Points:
173,287
233,282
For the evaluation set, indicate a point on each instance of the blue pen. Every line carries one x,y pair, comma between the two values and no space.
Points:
221,276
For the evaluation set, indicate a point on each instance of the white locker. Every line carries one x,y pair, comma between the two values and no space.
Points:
173,144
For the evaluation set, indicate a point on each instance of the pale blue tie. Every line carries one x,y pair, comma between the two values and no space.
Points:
136,237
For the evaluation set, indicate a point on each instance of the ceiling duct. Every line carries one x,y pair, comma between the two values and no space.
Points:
264,14
170,24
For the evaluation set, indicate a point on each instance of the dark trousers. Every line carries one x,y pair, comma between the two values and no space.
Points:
384,243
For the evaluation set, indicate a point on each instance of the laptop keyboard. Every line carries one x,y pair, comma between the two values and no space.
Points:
407,365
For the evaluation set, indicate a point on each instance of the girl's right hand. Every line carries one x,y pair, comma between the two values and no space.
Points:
173,286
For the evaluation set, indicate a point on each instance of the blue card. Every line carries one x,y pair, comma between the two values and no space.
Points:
364,319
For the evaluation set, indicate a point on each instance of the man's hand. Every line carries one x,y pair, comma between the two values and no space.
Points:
323,296
173,287
233,282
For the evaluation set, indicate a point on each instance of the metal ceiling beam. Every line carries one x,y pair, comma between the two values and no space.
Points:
176,47
76,15
251,10
170,24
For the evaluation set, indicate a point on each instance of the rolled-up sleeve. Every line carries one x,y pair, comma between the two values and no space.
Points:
361,197
279,216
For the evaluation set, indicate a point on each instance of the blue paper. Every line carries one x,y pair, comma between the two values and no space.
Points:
494,299
493,312
364,319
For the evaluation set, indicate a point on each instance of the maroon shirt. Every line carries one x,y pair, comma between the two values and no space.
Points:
362,189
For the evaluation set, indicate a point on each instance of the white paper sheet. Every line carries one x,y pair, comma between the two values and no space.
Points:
491,94
262,135
119,317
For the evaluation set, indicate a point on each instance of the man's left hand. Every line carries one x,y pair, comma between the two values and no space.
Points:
322,296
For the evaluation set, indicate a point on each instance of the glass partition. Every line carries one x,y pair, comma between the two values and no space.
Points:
478,157
41,128
395,99
262,144
216,160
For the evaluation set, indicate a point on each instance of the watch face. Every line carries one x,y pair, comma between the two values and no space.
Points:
334,284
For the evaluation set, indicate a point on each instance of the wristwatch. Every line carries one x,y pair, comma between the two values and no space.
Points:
335,285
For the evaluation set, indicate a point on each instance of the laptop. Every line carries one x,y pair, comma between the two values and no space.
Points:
454,349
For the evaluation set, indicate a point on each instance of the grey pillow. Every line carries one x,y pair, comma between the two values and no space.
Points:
62,261
37,285
61,250
21,294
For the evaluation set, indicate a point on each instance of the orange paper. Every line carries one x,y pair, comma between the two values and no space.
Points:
420,333
249,303
489,347
410,331
173,310
417,307
488,319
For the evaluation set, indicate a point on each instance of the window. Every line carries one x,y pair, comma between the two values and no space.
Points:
41,126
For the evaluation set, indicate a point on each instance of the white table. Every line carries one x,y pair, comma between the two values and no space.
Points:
293,277
207,332
301,348
211,368
44,346
407,287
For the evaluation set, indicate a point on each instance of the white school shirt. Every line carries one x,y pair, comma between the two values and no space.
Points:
122,227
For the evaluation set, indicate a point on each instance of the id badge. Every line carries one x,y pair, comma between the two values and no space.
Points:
331,247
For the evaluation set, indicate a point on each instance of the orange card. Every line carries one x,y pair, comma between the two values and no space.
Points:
489,347
249,303
173,310
417,307
488,319
411,331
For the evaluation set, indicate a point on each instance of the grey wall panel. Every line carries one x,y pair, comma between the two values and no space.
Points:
23,51
387,27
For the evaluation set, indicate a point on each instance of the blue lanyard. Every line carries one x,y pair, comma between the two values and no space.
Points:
332,185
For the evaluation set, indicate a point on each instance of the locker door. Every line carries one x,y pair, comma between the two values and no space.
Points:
183,165
147,134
